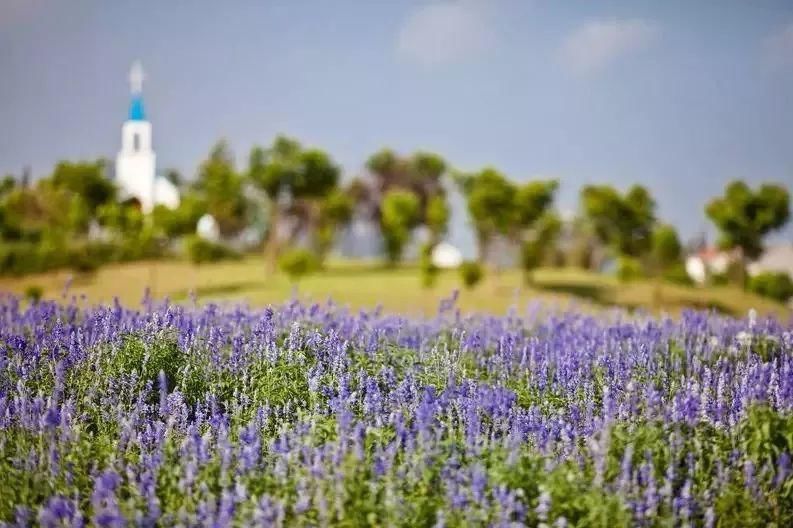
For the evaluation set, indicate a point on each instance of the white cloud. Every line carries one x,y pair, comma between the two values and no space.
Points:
599,43
779,48
444,32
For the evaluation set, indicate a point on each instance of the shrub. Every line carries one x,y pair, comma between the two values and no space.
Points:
18,258
88,257
34,293
471,273
297,262
678,275
200,250
628,269
735,275
774,285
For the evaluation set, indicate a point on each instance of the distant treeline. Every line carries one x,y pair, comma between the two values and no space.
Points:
75,217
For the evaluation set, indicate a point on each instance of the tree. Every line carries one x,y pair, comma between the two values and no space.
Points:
122,219
400,214
534,225
533,199
221,187
744,216
84,179
421,173
182,220
7,184
499,207
335,210
30,213
666,249
437,217
490,199
296,181
536,245
666,257
622,222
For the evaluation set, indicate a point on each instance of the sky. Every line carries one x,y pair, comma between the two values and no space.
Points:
679,96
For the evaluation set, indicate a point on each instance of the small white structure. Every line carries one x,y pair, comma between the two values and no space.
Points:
707,262
446,256
136,174
207,228
696,269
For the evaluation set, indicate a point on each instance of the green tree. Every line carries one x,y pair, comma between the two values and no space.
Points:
666,257
533,199
490,198
437,217
622,222
221,187
31,212
400,214
336,210
7,184
666,250
420,173
744,216
305,176
182,220
539,242
85,179
124,220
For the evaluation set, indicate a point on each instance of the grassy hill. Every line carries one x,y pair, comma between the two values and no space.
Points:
360,284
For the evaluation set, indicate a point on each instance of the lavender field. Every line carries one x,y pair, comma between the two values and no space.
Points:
312,415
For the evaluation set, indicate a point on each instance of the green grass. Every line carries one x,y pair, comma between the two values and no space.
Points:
361,284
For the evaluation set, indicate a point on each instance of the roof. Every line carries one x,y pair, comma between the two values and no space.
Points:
136,112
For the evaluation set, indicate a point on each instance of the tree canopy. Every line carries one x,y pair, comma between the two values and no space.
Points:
490,197
666,249
419,174
85,179
500,207
401,212
744,216
622,221
222,190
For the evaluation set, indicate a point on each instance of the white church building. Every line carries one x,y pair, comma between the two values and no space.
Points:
136,163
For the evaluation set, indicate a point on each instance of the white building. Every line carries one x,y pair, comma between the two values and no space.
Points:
708,262
136,168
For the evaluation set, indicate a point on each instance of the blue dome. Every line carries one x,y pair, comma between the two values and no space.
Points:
136,112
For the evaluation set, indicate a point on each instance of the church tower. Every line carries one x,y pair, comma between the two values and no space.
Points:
136,162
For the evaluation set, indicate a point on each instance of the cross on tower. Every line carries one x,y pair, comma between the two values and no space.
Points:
136,77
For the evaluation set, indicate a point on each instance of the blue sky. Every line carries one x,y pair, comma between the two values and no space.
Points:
680,96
